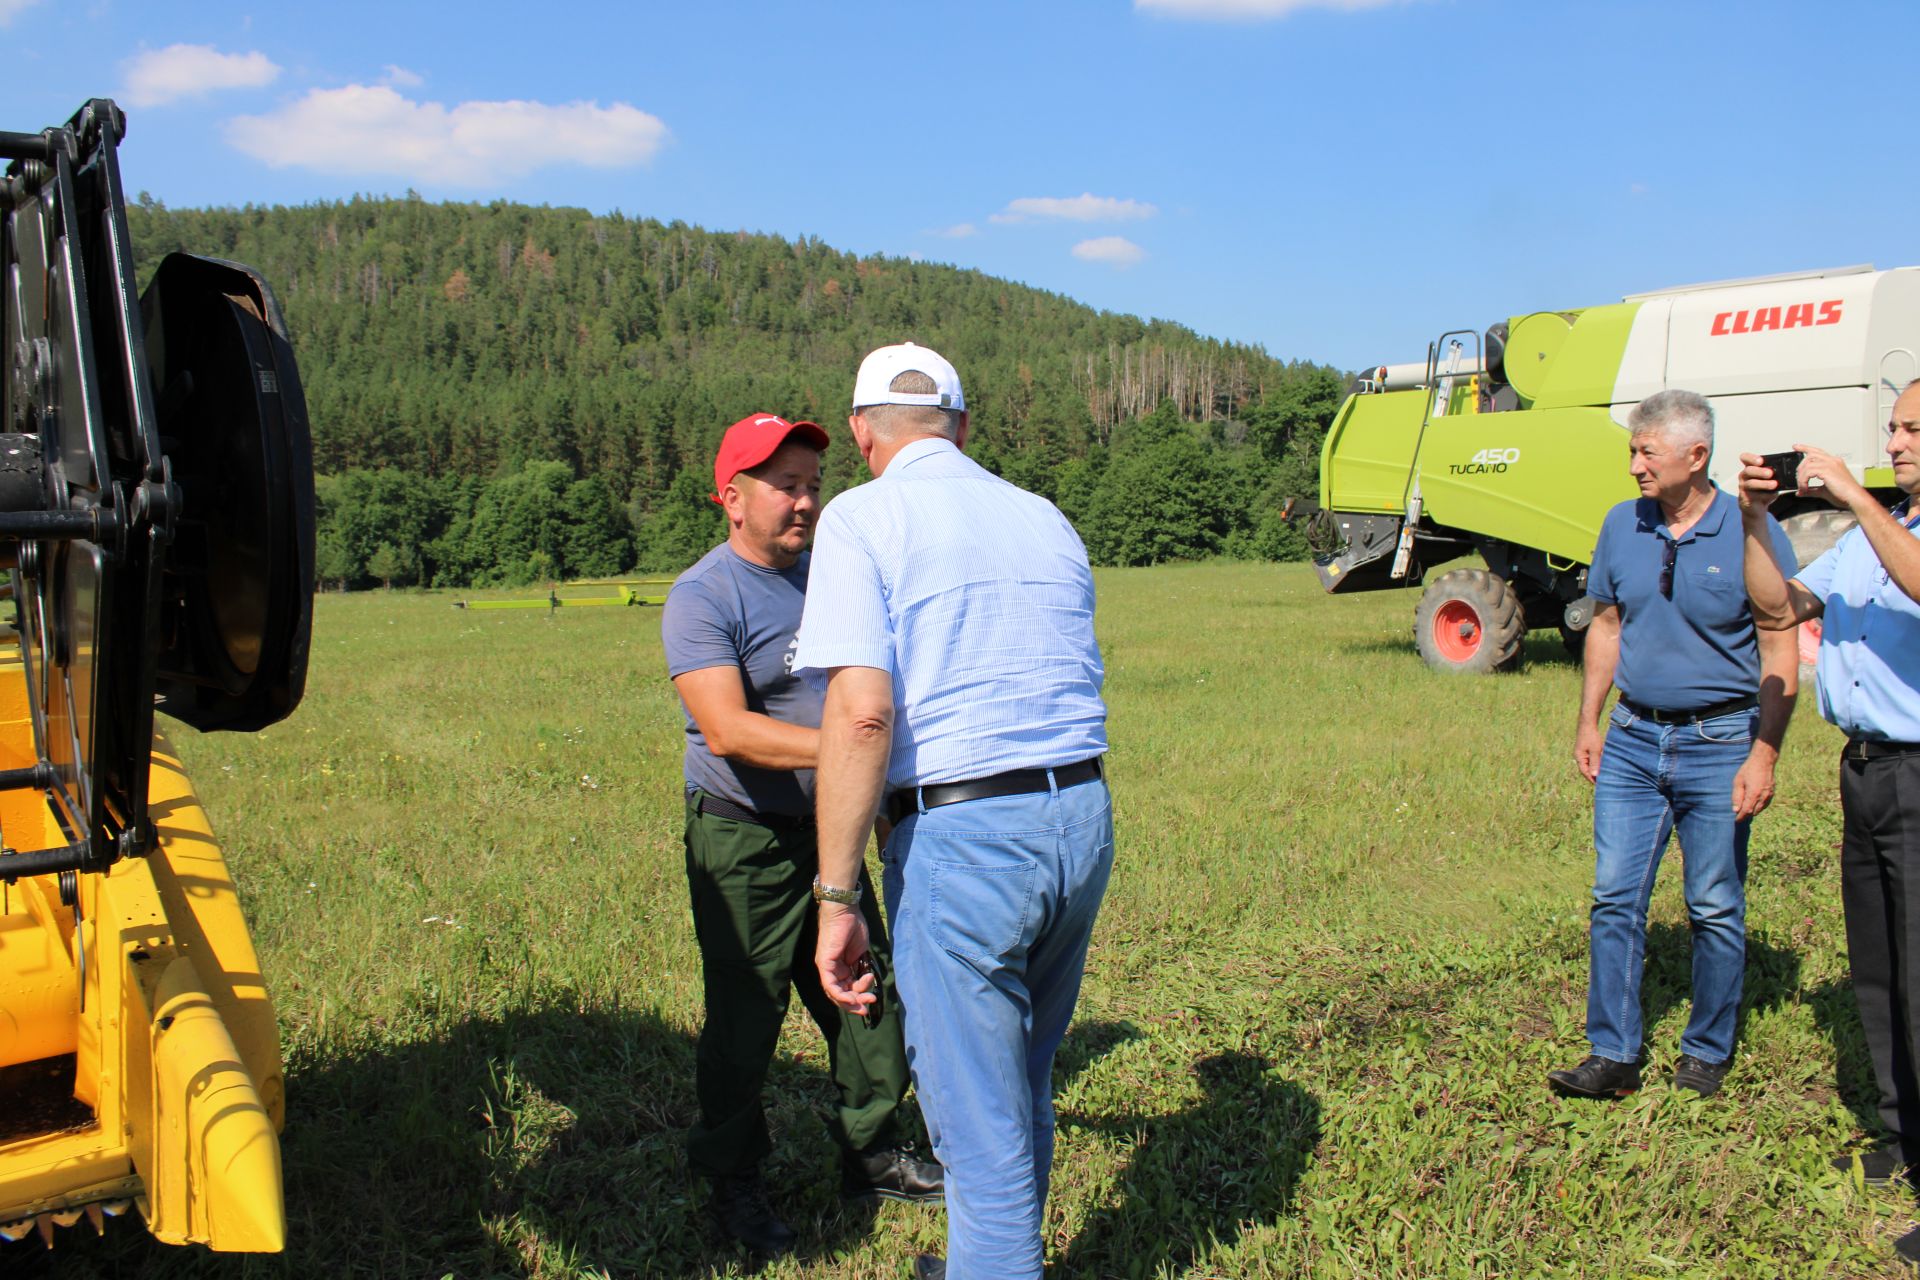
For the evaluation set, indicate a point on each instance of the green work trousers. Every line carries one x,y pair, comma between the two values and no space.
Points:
753,913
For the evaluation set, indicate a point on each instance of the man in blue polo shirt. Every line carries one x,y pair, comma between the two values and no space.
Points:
1691,744
1868,591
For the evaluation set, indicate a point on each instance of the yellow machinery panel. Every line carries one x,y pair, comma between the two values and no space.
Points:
174,1094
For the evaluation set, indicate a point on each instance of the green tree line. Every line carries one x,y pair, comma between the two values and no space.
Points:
504,394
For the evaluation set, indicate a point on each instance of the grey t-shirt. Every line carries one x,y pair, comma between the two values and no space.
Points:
727,611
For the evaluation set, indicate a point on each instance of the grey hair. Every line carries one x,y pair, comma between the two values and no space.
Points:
1680,417
891,421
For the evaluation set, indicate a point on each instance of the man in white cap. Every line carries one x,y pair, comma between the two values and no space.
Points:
728,631
953,613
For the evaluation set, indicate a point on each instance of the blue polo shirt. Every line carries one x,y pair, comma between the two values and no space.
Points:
1869,672
1697,647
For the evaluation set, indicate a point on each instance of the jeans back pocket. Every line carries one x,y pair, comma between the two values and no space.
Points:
980,912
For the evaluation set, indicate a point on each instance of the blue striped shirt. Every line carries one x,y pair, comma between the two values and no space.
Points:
976,596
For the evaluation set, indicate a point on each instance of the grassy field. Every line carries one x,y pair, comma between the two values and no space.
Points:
1346,939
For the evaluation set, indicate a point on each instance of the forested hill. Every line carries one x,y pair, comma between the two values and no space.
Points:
504,393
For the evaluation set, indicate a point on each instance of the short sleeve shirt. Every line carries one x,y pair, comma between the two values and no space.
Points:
1869,670
727,611
976,596
1695,645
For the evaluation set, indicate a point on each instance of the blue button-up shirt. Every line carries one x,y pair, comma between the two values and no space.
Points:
1692,645
1869,673
976,596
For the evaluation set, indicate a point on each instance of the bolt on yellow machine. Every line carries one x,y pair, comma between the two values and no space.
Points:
156,529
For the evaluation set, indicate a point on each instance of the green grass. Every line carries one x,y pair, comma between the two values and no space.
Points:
1345,941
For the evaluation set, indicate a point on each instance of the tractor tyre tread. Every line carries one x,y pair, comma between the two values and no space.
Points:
1503,623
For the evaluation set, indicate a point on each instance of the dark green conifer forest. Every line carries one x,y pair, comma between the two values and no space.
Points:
508,394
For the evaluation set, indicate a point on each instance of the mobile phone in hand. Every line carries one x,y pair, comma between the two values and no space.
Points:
861,968
1785,467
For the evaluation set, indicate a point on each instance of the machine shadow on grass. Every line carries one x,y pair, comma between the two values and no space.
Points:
1198,1177
542,1140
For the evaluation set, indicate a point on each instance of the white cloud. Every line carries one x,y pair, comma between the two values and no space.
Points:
372,130
11,9
401,77
156,76
1115,251
958,231
1249,10
1085,207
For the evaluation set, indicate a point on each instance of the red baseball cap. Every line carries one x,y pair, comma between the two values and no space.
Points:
755,438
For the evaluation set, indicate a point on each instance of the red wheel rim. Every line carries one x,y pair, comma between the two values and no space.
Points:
1456,631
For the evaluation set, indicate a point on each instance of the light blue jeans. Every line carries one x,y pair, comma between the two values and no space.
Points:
991,904
1654,779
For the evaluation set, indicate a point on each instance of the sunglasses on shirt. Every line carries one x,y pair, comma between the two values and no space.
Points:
1666,570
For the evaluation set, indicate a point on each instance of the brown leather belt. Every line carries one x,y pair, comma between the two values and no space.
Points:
1014,782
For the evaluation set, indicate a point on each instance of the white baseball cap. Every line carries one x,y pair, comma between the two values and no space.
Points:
873,384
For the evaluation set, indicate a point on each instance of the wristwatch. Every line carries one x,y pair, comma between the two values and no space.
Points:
827,893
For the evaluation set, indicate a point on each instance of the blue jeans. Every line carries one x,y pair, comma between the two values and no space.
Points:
1653,779
992,902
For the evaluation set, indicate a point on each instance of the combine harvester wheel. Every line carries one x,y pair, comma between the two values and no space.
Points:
1470,620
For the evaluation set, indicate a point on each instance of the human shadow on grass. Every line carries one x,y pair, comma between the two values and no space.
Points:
1772,978
1201,1176
1837,1014
509,1146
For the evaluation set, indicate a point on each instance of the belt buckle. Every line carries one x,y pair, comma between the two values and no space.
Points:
1855,750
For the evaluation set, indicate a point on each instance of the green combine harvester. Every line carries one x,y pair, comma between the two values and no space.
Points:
1511,445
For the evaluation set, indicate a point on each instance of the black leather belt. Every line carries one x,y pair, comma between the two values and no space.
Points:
1014,782
719,808
1694,716
1873,749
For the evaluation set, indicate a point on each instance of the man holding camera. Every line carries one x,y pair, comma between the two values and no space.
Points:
1867,591
752,740
1690,746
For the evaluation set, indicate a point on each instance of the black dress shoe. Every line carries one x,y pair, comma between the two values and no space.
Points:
1907,1246
1878,1166
739,1205
1699,1075
1597,1077
928,1267
891,1173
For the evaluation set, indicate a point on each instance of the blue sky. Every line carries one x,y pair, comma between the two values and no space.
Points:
1336,180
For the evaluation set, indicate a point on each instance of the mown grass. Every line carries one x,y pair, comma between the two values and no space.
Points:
1345,940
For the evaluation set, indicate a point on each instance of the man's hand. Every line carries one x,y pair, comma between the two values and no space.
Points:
1588,742
1826,475
1758,488
837,954
1753,785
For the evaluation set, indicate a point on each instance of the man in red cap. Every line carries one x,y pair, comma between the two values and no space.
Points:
752,738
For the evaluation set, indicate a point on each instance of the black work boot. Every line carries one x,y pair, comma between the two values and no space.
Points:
1878,1167
739,1204
1597,1077
891,1173
1699,1075
1907,1248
